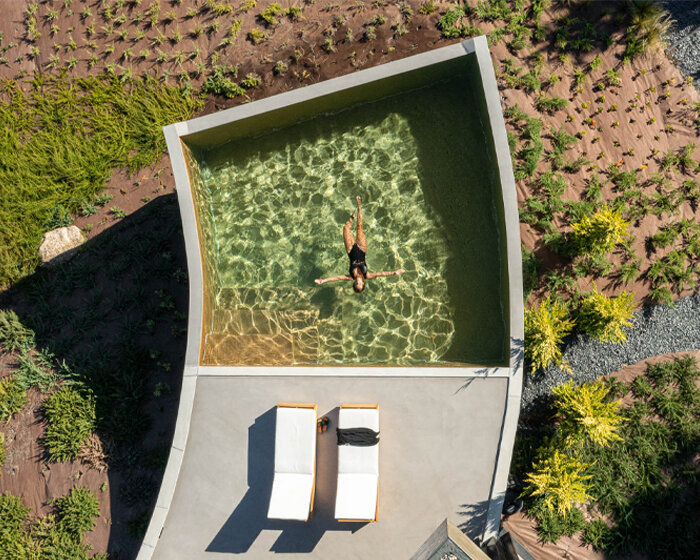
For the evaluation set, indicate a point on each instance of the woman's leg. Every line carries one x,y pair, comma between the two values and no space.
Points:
347,233
360,233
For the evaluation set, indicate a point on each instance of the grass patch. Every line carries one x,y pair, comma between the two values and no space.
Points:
71,419
12,398
57,536
60,142
77,511
13,334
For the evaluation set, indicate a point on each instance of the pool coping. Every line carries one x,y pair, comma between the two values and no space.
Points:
192,369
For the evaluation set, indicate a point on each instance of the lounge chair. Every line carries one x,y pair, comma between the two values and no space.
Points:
358,467
294,482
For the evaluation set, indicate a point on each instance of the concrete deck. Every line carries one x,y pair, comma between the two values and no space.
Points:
438,450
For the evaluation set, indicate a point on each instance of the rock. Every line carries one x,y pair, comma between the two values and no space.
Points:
60,244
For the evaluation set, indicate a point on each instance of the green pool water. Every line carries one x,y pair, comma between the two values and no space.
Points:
275,206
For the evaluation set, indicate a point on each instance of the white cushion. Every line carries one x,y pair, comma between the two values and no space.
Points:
295,440
356,497
358,468
356,459
291,496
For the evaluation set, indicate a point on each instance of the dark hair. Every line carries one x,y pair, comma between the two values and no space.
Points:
356,287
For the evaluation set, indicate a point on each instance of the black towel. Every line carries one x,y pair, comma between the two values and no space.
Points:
362,437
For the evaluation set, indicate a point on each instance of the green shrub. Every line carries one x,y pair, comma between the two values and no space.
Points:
53,537
219,84
269,14
15,543
552,525
449,22
649,24
71,419
257,36
604,317
598,535
13,334
585,413
2,449
600,232
550,104
12,398
77,511
545,327
37,370
558,481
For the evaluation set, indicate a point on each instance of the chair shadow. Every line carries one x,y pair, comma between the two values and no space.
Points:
249,518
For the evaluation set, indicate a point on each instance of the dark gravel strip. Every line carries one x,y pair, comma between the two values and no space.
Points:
684,37
657,329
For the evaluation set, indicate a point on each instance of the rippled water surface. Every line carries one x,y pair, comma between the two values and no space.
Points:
276,205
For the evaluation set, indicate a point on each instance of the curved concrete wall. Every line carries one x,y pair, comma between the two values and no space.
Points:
213,128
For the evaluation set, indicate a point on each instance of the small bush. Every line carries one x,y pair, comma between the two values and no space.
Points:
269,14
598,535
545,328
14,541
585,413
71,420
600,232
219,84
603,317
551,525
77,511
12,398
53,537
558,481
251,80
449,22
550,104
257,36
13,334
427,7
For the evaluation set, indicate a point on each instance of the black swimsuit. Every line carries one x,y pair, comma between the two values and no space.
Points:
357,260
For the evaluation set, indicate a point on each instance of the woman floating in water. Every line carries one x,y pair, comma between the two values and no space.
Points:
357,249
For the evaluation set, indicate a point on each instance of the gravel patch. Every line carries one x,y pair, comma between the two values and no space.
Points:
684,37
657,329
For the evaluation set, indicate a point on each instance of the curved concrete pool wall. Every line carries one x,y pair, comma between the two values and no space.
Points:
218,128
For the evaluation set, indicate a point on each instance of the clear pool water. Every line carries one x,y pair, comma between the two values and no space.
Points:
275,207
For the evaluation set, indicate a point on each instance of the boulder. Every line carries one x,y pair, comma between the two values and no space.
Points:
59,245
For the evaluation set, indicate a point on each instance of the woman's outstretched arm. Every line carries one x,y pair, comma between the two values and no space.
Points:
331,279
390,273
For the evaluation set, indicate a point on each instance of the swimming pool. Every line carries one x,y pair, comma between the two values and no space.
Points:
232,250
272,193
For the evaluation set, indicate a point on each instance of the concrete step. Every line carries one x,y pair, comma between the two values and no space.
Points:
247,349
279,349
282,298
262,321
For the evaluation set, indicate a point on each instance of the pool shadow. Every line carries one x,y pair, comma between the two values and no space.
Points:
459,180
249,518
99,320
